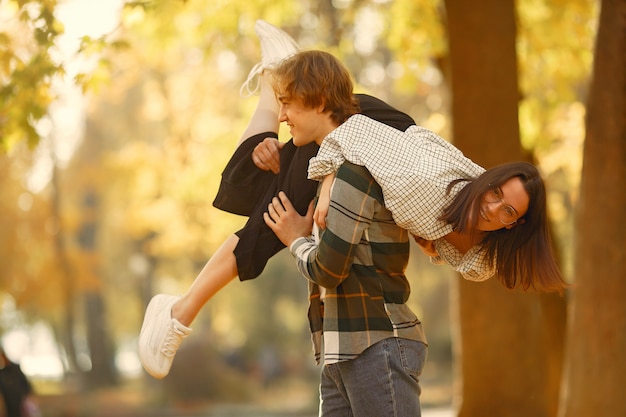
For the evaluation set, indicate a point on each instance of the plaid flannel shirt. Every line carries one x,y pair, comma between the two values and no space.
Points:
414,169
359,262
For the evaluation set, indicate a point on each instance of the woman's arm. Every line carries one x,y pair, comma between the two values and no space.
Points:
329,261
323,201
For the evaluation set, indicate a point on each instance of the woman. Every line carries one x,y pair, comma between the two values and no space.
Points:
459,213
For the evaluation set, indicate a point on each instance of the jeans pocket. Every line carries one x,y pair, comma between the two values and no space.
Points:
413,356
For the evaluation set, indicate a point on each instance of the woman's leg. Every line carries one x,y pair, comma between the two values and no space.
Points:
218,271
167,317
222,267
265,116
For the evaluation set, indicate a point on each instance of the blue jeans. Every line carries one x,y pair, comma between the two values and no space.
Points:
382,382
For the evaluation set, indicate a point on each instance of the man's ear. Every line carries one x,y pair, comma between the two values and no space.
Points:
322,107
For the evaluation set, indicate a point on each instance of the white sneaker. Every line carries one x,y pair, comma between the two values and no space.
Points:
276,45
160,336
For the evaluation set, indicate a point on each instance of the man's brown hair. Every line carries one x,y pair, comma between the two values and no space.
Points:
316,78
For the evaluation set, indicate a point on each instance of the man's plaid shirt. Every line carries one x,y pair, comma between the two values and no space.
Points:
414,169
359,262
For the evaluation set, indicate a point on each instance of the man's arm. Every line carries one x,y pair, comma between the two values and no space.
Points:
328,262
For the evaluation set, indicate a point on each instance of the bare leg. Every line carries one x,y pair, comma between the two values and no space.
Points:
265,117
218,271
222,267
167,318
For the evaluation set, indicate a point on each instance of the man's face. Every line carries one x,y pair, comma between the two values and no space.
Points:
306,124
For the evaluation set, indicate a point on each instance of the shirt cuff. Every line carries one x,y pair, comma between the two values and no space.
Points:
295,244
436,260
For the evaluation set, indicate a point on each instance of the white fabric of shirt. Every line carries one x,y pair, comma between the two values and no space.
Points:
414,169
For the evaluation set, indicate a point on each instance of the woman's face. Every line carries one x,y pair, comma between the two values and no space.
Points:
502,207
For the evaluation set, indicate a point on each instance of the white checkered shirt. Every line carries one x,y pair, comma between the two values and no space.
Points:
414,169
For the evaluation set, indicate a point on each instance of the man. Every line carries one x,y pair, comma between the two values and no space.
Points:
373,345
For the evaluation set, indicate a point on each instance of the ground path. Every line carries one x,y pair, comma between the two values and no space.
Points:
114,404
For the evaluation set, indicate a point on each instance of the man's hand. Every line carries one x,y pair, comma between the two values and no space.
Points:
266,155
286,222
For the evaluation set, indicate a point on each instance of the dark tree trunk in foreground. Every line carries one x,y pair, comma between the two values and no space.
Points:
510,347
596,368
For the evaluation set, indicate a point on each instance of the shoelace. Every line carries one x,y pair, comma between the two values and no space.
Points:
172,340
246,90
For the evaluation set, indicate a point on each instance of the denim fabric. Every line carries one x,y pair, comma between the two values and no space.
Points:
382,382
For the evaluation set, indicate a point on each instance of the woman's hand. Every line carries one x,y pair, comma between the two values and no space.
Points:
427,246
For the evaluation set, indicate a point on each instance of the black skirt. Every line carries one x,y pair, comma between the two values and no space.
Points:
246,190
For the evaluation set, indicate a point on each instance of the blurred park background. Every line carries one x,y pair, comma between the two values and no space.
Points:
117,118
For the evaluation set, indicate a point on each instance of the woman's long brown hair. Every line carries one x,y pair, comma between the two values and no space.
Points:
524,255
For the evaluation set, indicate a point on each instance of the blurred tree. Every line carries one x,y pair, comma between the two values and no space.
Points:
595,367
24,242
510,345
33,61
66,270
103,371
552,95
26,52
159,135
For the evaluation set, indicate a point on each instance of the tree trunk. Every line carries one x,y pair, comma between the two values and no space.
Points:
595,367
510,342
60,252
103,372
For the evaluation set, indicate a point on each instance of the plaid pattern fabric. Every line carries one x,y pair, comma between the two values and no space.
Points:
414,169
360,262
